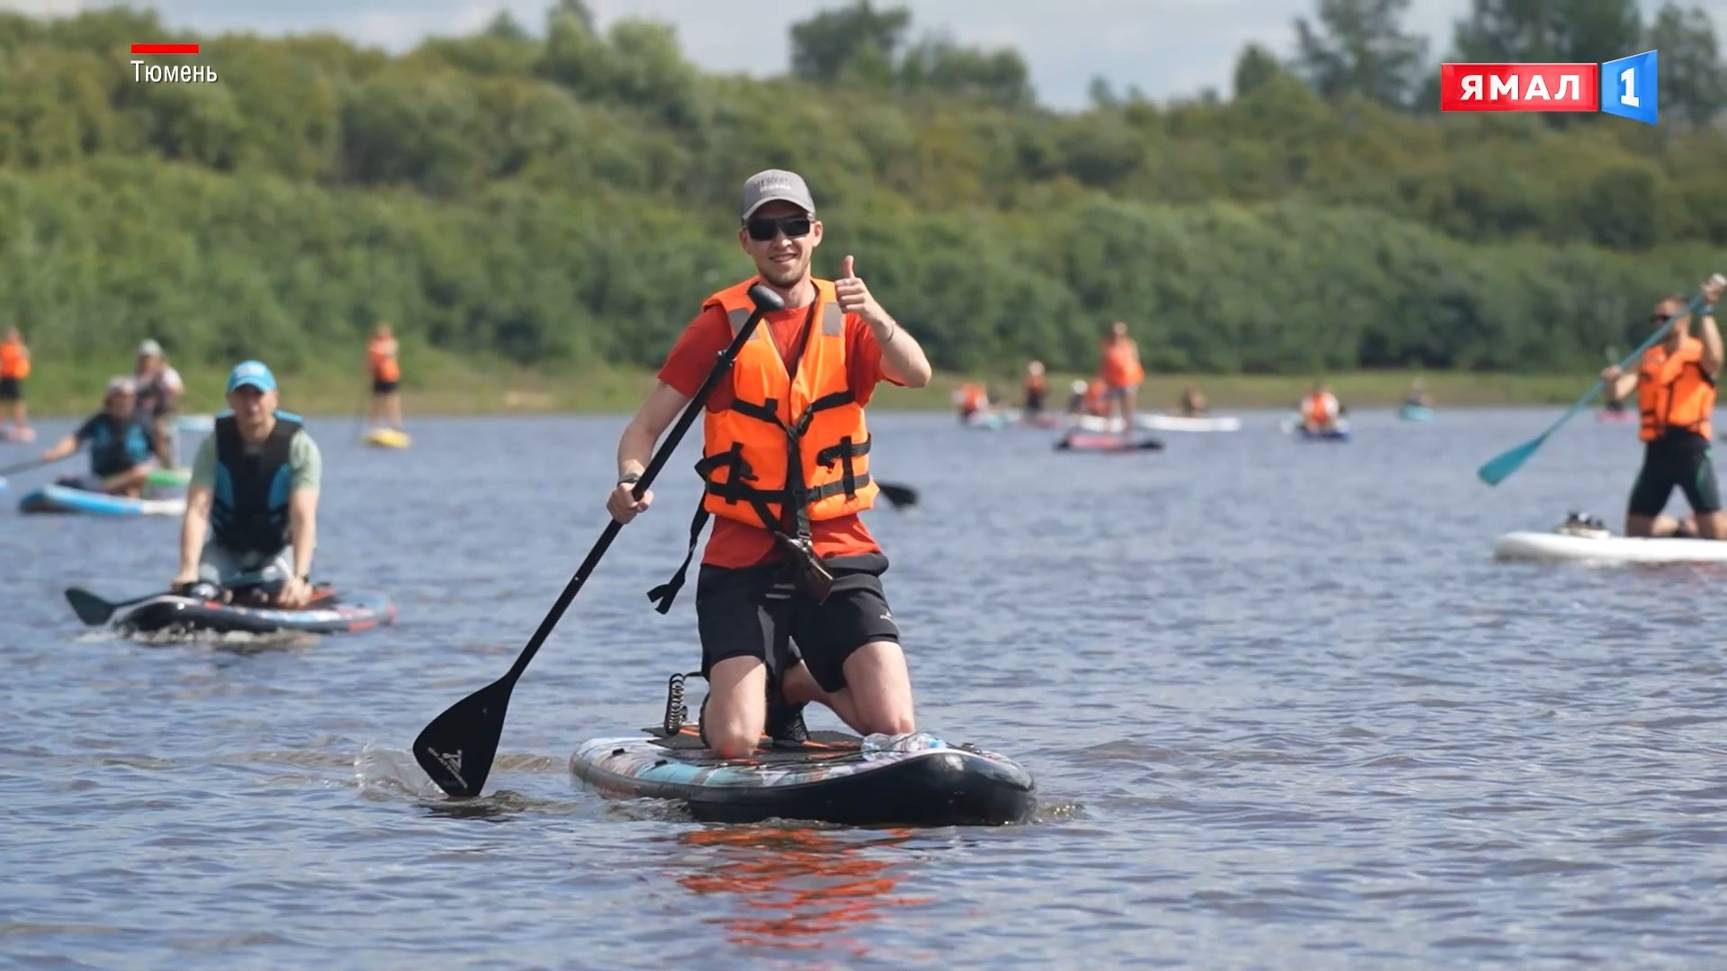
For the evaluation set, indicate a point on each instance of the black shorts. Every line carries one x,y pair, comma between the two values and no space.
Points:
736,618
11,389
382,387
1676,459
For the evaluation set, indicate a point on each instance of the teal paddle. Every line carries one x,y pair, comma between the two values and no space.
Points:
1500,467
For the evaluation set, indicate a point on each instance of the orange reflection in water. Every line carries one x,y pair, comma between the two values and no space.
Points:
808,887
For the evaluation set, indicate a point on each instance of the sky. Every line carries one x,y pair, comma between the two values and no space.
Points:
1169,48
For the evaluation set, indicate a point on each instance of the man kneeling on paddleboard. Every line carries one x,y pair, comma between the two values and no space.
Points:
254,494
1675,385
121,456
786,464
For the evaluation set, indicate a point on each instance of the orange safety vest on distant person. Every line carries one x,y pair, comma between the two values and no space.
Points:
14,360
787,441
1319,408
1120,366
1036,384
1094,404
1674,392
972,398
382,351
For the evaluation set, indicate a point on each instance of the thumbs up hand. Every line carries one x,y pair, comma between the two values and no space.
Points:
854,296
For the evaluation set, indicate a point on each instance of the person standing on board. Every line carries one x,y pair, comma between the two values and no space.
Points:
120,453
785,506
254,497
386,372
1121,372
1320,409
159,390
1675,386
1036,389
14,368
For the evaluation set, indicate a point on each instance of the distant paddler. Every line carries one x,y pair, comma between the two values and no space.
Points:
385,368
1119,367
1036,388
120,454
1418,396
159,390
1320,410
971,401
251,521
14,368
1675,387
1193,403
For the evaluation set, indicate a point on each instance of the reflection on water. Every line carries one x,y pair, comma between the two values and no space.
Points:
798,889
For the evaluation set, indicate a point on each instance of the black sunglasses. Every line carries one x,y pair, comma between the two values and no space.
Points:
1660,318
764,228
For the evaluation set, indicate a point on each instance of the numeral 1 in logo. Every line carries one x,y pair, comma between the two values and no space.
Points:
1629,88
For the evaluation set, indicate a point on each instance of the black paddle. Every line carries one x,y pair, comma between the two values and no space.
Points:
458,747
901,496
93,610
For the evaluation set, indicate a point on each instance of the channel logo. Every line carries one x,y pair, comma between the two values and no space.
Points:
1627,87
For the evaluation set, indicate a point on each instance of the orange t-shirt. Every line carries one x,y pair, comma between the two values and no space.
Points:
14,360
735,544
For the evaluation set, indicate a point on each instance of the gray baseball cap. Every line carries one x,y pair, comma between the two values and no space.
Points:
771,184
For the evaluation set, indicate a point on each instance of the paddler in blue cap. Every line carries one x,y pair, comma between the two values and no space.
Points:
254,497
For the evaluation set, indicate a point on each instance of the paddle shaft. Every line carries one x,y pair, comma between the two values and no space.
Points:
722,367
32,464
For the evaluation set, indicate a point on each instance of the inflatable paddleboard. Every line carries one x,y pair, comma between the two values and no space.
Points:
1078,441
1415,413
169,478
1605,548
335,614
387,438
1160,423
1336,433
61,499
913,780
12,433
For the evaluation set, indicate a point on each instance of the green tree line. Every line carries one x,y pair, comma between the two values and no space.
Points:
567,195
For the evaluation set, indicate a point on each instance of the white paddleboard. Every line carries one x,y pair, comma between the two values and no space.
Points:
1160,423
1566,548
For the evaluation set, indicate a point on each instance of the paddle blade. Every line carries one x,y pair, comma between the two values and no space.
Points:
457,748
91,609
1500,467
901,496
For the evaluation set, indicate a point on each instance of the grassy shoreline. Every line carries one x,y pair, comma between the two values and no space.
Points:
438,384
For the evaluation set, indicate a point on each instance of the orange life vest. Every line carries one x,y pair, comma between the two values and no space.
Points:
787,441
1674,392
1319,408
1094,404
1036,384
14,360
382,351
1120,366
972,398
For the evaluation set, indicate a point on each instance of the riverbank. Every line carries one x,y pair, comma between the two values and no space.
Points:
442,384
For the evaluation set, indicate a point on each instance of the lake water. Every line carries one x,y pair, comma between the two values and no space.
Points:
1283,708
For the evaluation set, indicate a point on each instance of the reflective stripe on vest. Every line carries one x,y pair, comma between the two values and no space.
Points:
249,508
786,442
1673,391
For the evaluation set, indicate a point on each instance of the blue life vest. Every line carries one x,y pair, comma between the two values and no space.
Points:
249,507
116,446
